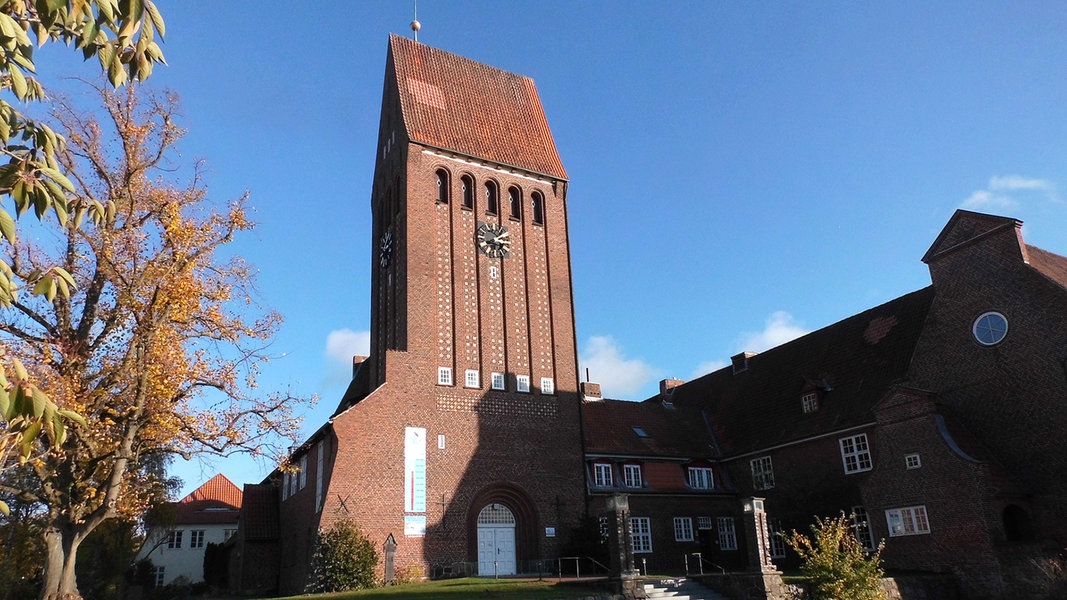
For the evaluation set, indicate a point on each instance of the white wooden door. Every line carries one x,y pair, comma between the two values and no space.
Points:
496,541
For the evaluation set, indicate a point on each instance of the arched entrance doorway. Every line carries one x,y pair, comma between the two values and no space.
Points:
496,541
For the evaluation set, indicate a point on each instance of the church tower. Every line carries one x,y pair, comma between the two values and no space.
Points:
465,445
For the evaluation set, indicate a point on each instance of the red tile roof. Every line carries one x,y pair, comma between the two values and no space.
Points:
1048,264
457,104
609,429
851,364
217,501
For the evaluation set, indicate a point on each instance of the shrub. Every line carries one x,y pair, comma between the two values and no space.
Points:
835,562
344,559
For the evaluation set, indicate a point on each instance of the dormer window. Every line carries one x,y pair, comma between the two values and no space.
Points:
641,433
442,186
602,475
810,402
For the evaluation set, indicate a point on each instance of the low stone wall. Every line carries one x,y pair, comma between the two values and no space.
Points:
770,586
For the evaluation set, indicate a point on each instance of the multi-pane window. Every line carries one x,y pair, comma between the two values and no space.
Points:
810,402
444,375
855,453
631,475
548,386
700,478
292,484
303,472
861,527
498,381
321,449
196,538
285,485
762,473
492,200
774,531
522,383
912,461
227,533
538,205
442,186
727,534
174,539
641,534
471,378
602,475
158,576
910,520
704,522
683,529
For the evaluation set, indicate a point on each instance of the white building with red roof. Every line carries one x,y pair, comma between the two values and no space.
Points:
207,515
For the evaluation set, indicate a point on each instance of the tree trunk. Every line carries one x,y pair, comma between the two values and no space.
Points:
60,582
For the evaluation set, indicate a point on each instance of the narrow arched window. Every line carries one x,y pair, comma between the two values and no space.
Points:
537,203
515,199
442,186
492,201
468,191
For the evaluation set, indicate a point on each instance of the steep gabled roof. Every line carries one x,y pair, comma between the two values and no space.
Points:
1049,264
609,427
218,500
967,227
457,104
850,365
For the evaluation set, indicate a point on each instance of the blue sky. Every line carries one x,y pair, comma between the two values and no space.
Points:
741,172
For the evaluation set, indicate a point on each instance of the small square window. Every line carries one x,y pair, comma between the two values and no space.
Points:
810,402
471,378
912,461
174,539
444,375
522,383
498,381
700,478
704,523
548,386
856,454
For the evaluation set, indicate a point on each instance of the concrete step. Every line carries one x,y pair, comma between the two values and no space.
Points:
680,589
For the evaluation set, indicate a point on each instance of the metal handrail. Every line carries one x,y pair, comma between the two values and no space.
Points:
700,563
577,564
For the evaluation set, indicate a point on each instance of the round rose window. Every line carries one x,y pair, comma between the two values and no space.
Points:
990,328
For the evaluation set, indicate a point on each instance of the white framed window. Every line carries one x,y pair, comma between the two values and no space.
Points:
727,534
159,575
321,458
174,539
700,478
810,402
196,538
910,520
522,383
762,473
601,475
683,529
444,375
641,535
774,531
855,453
498,381
471,378
861,527
303,472
704,522
990,328
631,476
548,386
227,533
912,461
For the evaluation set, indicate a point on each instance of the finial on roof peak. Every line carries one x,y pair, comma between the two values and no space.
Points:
415,25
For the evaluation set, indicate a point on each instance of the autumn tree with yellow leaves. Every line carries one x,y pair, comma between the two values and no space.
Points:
156,347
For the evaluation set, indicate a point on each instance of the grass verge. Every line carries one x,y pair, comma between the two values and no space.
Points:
470,587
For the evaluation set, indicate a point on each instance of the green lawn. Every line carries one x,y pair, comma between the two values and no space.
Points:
470,587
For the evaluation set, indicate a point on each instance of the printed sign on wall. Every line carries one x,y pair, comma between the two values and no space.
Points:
415,470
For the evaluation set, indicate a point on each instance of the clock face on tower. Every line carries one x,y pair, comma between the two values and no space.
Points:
385,248
492,240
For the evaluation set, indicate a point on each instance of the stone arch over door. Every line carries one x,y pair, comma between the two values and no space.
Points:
527,522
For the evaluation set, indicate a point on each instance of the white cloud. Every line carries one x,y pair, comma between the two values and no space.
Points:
617,375
341,346
998,193
778,329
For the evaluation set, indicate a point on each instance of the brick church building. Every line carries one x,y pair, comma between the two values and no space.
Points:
466,444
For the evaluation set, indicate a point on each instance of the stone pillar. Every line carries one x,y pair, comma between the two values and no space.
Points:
620,547
757,536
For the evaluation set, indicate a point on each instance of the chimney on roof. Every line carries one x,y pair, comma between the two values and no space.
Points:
740,361
356,361
590,391
666,386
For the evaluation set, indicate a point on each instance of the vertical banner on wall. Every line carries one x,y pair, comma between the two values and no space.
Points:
414,481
